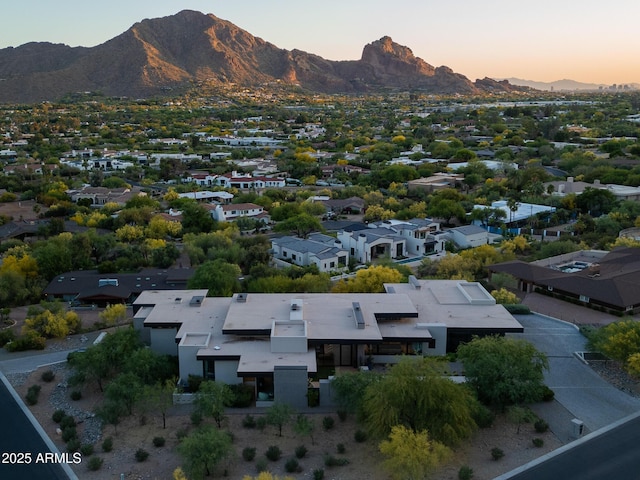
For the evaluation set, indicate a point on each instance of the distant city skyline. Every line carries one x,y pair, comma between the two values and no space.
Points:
582,40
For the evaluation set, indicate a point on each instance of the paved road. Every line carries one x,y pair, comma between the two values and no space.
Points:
20,436
611,454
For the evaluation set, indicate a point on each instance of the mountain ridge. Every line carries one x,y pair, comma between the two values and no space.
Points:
174,52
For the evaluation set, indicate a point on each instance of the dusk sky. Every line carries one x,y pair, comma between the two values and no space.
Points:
584,40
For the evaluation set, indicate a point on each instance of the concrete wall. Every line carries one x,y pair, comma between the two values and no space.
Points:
227,372
189,364
290,385
145,332
439,333
163,341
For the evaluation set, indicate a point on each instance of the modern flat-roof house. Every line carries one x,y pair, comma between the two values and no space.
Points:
321,250
599,279
468,236
370,243
276,342
423,236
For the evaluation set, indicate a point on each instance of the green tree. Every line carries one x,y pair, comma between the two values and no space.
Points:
203,449
301,225
220,277
124,389
504,371
212,399
304,426
415,394
279,414
350,389
159,397
412,455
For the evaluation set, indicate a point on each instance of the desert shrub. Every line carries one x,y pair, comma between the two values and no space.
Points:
158,441
248,421
292,465
483,416
318,474
547,394
32,394
360,436
58,415
86,449
261,465
67,421
341,448
328,423
73,445
541,426
497,453
273,453
95,463
29,341
517,309
141,455
193,383
181,433
242,395
48,376
301,451
249,453
76,395
69,433
465,473
342,414
196,417
6,336
538,442
107,444
331,461
261,423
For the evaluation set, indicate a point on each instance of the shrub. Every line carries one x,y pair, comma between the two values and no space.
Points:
342,414
181,433
538,442
341,448
360,436
29,341
76,395
318,474
242,395
95,463
107,444
73,445
249,453
465,473
547,394
497,453
483,417
67,421
48,376
58,415
273,453
541,426
69,433
328,422
196,417
193,383
141,455
291,465
32,394
261,423
86,449
158,441
261,465
248,421
6,336
331,461
301,451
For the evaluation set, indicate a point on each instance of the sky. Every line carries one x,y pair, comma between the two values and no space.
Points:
546,40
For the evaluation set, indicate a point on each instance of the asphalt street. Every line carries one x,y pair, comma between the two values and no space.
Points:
21,444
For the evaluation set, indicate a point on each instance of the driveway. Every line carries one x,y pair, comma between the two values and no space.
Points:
580,393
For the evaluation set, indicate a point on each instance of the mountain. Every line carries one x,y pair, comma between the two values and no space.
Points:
175,52
568,85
